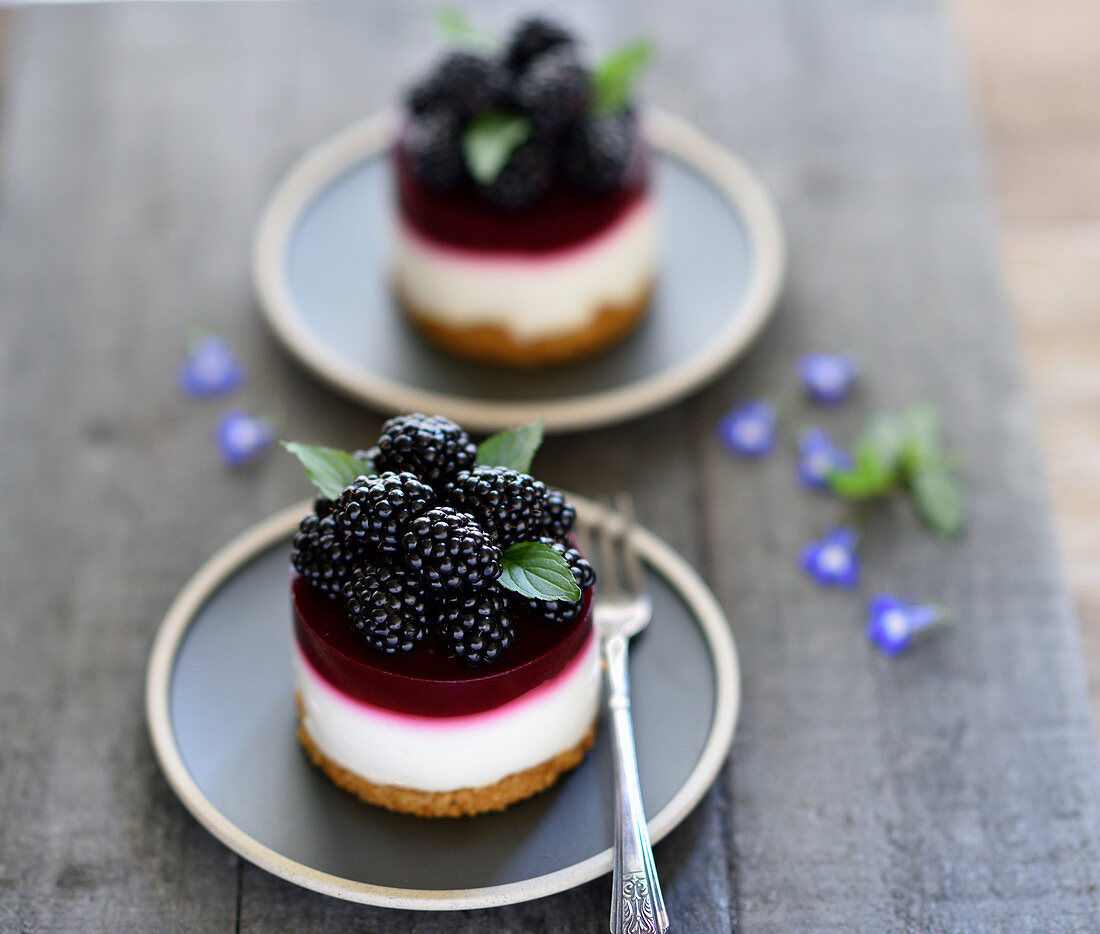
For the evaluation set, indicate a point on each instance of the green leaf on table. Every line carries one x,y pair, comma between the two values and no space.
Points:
538,572
514,448
458,29
489,141
939,498
330,469
872,475
885,436
922,436
613,79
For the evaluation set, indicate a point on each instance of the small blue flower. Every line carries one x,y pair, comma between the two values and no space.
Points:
832,560
818,457
892,623
210,369
749,430
242,438
827,377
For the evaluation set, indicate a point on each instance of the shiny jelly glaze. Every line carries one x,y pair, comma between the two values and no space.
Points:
428,681
564,217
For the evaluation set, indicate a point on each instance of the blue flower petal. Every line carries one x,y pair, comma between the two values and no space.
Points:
210,369
818,457
832,561
892,623
749,430
828,378
242,438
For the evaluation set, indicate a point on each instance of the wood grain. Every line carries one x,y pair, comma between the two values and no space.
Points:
953,790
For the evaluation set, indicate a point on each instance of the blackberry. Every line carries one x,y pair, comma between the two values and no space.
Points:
378,509
386,607
477,627
562,611
322,556
553,91
525,178
450,551
433,146
366,454
463,83
531,38
558,514
433,448
323,506
596,152
508,504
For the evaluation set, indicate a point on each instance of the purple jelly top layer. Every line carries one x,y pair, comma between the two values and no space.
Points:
563,218
428,681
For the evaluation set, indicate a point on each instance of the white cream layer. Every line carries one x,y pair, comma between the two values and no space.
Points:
448,753
532,297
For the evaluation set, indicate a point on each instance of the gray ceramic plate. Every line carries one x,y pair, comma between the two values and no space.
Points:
321,266
221,714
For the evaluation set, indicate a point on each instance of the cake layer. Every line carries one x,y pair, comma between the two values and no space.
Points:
564,217
530,296
441,754
428,682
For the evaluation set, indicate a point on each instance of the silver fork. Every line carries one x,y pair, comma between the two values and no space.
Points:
622,610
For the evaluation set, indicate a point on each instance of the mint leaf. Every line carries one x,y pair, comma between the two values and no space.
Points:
490,140
330,469
454,25
922,437
870,477
614,78
885,436
513,448
538,572
939,499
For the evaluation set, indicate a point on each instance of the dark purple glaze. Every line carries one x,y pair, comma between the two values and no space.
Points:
565,217
427,681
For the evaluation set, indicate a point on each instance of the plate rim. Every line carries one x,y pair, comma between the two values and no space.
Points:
229,559
334,155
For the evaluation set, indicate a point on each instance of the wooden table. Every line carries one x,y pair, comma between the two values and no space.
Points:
955,789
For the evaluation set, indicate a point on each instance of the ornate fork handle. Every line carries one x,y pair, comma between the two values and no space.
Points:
637,906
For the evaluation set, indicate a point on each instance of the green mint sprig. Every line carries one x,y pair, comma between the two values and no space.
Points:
330,469
489,141
457,28
514,448
536,571
906,452
613,79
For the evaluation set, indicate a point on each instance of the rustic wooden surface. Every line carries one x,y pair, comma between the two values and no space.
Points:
1036,65
955,789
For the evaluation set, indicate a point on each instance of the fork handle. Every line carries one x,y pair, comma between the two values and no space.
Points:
637,905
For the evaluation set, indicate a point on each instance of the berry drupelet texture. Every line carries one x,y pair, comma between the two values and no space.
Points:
433,146
558,514
531,38
464,83
432,448
553,91
477,627
509,505
386,606
450,551
321,555
376,510
597,152
526,177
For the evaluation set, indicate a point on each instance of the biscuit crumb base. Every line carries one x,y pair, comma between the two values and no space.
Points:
493,343
458,803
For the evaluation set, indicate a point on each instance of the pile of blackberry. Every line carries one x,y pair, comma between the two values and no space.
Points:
540,76
414,551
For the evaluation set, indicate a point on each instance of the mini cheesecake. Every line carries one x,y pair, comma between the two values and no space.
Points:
427,734
549,257
444,654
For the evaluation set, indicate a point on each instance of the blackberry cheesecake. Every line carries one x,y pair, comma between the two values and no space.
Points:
526,234
444,654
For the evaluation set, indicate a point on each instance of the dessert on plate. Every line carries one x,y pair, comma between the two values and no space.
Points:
445,658
526,232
